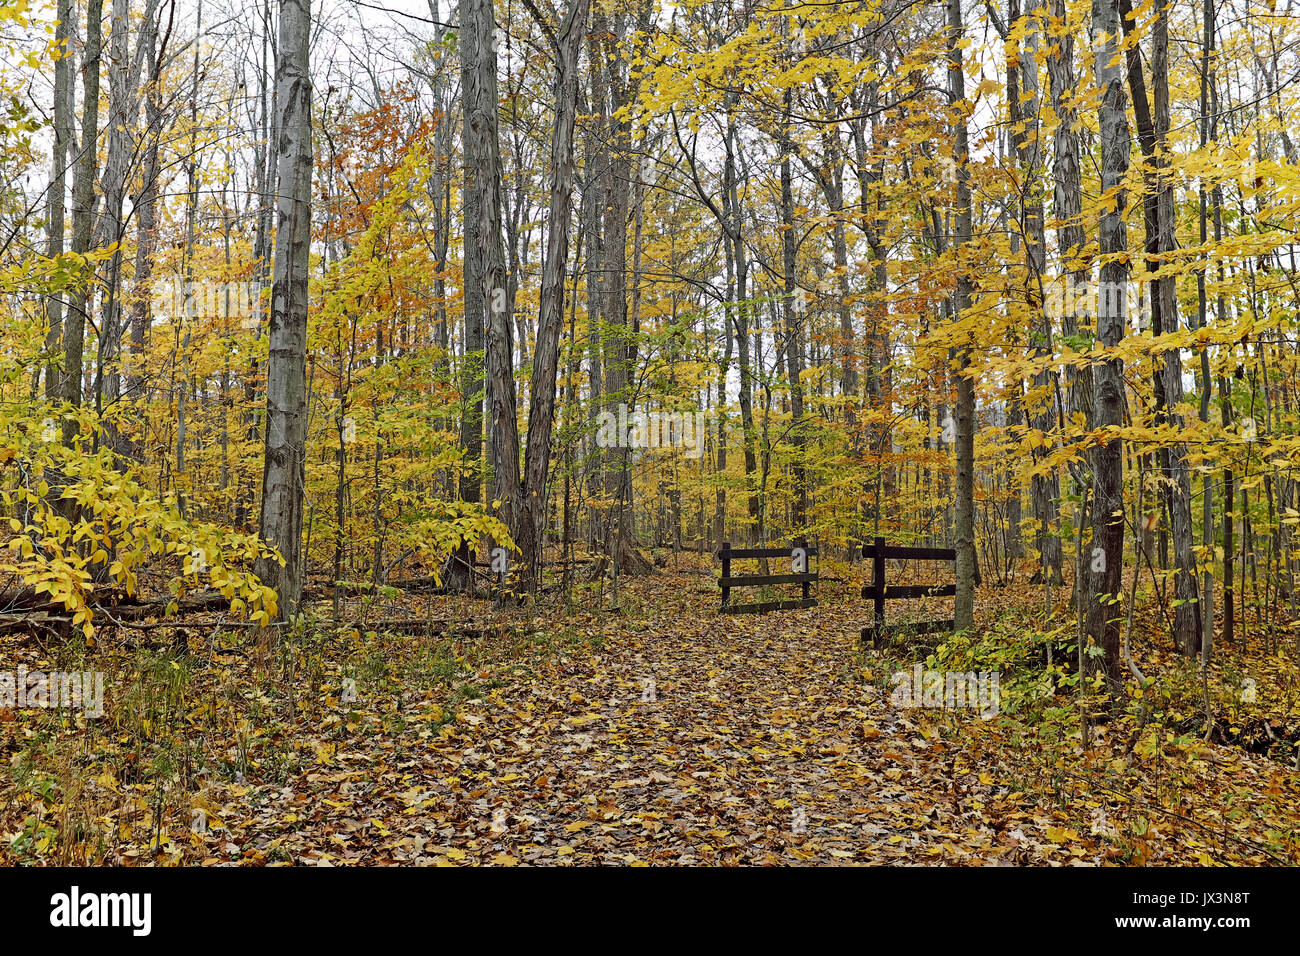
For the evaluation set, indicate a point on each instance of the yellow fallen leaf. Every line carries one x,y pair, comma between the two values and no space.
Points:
1061,834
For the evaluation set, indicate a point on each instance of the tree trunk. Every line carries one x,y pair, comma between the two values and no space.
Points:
740,316
550,324
286,381
792,319
1022,87
83,215
485,260
58,191
1204,380
458,572
1106,564
146,203
620,346
964,531
1067,203
123,108
1153,127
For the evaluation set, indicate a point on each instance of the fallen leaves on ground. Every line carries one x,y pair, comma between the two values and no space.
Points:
667,735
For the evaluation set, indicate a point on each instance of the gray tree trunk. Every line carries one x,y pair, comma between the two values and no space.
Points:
458,572
732,175
58,192
1023,85
1067,204
146,201
1153,127
1204,381
622,84
286,379
83,214
877,383
594,185
123,112
1187,614
120,123
792,318
550,325
185,329
1107,558
964,417
485,257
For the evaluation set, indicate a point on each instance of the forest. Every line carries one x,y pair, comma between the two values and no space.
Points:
613,432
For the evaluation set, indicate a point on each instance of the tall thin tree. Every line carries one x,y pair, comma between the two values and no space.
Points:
286,381
1107,558
567,45
964,417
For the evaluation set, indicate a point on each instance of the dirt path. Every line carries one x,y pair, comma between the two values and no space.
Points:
662,734
711,740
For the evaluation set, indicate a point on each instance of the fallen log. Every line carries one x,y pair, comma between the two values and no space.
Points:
127,608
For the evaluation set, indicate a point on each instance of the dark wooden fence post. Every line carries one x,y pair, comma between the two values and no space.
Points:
878,581
726,571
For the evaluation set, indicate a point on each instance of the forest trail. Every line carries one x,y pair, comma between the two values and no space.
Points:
708,739
664,733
